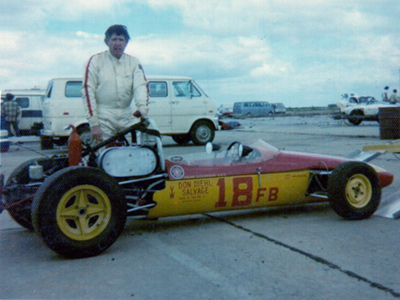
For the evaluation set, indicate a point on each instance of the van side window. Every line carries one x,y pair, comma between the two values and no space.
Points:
158,89
23,102
182,89
73,89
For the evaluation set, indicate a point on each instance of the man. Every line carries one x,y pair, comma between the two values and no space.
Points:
385,96
11,111
393,97
111,80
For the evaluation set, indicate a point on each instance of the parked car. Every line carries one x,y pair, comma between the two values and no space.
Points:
353,100
279,108
30,101
226,112
365,112
178,105
252,109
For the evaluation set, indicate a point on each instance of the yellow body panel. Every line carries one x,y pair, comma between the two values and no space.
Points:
200,195
393,147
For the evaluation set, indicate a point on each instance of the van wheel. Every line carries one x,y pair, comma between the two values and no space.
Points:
202,133
182,139
79,211
46,142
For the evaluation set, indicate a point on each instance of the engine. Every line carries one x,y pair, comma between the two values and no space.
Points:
131,161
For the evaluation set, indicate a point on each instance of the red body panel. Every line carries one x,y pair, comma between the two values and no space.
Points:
284,161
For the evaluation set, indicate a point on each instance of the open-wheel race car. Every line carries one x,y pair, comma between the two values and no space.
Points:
79,211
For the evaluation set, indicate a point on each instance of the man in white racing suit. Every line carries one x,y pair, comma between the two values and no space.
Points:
111,80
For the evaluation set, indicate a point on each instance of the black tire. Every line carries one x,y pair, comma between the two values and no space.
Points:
46,143
202,132
354,190
79,212
19,198
356,117
182,139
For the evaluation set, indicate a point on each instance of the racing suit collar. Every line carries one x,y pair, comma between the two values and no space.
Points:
114,59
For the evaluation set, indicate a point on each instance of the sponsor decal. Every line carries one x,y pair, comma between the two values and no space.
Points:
176,158
177,172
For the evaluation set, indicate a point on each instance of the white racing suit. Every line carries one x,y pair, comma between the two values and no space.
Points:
109,85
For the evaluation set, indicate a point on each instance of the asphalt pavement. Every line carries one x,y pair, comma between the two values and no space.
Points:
298,252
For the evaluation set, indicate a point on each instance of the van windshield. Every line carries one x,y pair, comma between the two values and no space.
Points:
185,89
49,90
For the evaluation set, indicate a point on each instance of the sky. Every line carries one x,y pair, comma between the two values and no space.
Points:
300,53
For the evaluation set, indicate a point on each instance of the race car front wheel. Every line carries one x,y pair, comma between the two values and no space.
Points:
354,190
79,211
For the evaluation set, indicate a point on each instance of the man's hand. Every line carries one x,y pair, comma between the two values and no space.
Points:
141,115
97,133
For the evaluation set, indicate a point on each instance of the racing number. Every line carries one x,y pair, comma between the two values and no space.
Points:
243,192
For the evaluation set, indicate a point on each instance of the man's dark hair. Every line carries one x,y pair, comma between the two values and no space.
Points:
9,96
118,30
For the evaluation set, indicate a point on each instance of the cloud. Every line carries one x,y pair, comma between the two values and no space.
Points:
316,49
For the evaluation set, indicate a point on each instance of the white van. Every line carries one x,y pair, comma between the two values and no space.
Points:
177,104
30,101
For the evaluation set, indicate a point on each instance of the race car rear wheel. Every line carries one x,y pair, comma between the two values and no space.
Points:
18,196
79,211
354,190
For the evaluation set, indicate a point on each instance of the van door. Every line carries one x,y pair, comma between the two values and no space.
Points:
62,106
187,103
160,106
31,113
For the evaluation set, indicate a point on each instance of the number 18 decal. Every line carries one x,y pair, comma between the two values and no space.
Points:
242,192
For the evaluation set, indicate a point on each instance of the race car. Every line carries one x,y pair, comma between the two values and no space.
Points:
79,211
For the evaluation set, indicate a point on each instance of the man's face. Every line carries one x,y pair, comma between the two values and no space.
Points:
116,45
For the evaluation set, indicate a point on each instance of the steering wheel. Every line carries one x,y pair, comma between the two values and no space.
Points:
234,150
231,145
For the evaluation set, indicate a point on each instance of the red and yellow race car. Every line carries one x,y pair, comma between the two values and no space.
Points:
79,211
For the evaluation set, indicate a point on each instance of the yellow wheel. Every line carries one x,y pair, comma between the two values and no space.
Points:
358,190
354,190
79,211
83,212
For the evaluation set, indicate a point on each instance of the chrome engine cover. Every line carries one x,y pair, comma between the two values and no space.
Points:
130,161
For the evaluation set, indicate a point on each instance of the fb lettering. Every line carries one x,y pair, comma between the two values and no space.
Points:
242,192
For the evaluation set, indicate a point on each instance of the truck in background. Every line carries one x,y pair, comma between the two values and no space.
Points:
178,105
31,103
